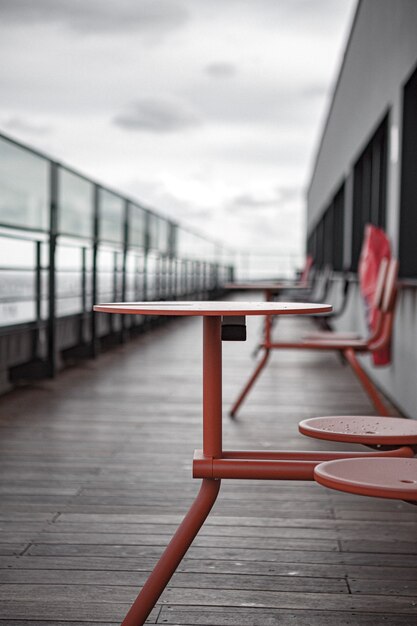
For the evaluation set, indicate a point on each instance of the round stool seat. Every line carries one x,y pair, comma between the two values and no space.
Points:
369,430
383,478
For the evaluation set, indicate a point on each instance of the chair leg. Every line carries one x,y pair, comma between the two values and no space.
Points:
366,382
250,382
173,554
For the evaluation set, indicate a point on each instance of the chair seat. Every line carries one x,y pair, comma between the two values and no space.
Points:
369,430
330,335
336,343
382,478
358,345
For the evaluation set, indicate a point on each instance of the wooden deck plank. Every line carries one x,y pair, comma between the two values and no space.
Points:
82,519
190,616
80,610
12,581
262,568
287,600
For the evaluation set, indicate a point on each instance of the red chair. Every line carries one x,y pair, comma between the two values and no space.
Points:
378,300
305,274
348,347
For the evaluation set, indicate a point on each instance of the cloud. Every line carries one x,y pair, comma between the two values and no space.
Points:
247,201
317,90
173,205
157,116
95,16
221,70
281,196
244,115
19,124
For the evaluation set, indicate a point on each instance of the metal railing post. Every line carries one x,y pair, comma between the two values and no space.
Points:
83,280
38,296
53,226
124,269
94,281
83,293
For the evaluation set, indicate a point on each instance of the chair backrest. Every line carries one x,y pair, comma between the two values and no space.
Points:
326,277
382,338
381,283
391,287
376,316
305,274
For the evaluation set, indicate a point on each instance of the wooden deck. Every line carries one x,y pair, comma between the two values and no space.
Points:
95,475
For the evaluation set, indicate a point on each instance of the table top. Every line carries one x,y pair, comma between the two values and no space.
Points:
212,308
265,286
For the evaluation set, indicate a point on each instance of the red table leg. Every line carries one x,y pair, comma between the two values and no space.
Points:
212,446
265,346
250,382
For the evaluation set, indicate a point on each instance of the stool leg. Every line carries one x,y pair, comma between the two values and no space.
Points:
367,384
250,383
173,554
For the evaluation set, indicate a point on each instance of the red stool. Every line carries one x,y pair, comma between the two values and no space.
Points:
368,430
383,478
379,477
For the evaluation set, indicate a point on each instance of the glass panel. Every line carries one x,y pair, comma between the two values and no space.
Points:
153,229
153,265
135,277
137,226
24,187
163,235
111,217
173,239
189,245
17,281
105,276
68,280
76,205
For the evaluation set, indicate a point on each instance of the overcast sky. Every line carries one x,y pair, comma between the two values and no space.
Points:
208,110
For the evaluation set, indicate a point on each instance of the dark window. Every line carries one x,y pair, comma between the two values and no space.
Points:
338,229
369,188
328,237
320,244
408,215
325,242
311,244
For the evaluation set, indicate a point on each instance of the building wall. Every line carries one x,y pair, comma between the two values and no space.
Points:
381,55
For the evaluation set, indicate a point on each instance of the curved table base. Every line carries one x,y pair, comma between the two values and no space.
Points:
173,554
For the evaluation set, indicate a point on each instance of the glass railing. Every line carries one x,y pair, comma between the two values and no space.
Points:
67,242
267,264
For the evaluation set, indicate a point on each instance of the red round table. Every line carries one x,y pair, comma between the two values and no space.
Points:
212,308
212,462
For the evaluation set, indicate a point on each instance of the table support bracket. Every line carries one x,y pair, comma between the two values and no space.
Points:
277,465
